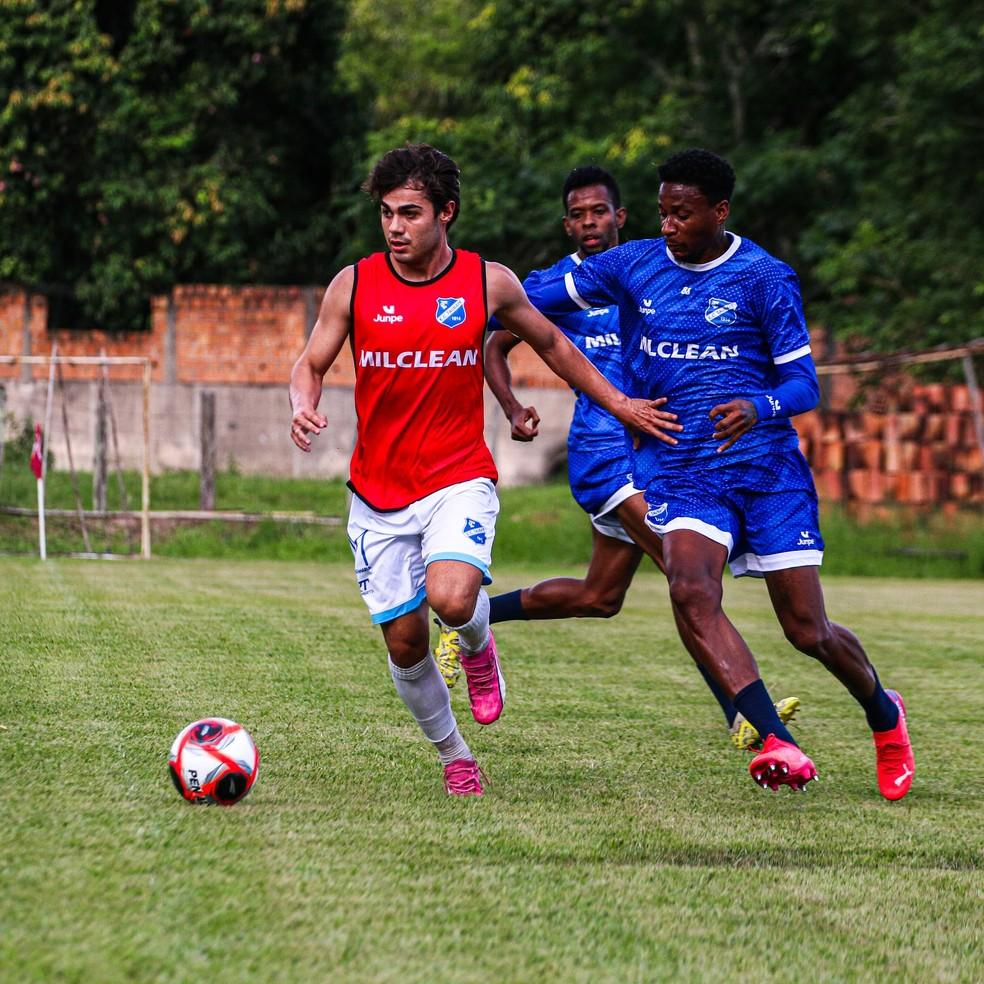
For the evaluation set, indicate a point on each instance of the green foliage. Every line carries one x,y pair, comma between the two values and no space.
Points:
207,144
225,142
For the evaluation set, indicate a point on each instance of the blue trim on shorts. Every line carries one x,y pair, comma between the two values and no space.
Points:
465,559
407,606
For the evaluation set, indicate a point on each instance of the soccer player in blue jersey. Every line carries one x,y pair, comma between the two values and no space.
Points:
599,455
715,324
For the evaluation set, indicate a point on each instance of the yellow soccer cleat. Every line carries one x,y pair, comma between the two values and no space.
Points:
744,736
447,653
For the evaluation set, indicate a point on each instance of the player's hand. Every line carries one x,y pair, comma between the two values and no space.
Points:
306,422
524,422
646,417
734,418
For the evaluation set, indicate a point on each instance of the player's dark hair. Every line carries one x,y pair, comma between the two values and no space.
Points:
420,166
591,174
711,175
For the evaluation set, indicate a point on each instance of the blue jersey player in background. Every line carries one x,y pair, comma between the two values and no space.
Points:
714,323
598,451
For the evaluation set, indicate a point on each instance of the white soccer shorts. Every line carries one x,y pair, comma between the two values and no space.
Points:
606,520
393,549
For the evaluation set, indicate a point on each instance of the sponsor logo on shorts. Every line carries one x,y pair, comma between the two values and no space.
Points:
363,569
720,312
450,311
596,312
806,539
474,530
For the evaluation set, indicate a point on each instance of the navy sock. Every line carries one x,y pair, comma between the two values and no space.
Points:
755,705
506,607
881,711
720,696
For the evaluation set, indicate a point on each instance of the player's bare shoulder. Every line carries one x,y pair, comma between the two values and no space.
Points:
504,288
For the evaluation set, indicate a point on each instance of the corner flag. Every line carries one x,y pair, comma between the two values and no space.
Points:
37,459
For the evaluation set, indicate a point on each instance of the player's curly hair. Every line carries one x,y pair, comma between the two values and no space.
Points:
591,174
420,166
713,176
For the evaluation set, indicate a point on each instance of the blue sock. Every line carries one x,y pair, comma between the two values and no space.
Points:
720,696
881,711
755,705
506,607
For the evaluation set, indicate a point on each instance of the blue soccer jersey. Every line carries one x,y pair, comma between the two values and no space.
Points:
598,451
698,334
594,330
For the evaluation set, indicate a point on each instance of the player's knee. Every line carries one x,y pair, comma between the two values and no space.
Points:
600,604
407,651
809,635
453,607
695,593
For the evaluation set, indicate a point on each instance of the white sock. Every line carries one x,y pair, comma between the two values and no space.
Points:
453,747
474,634
423,690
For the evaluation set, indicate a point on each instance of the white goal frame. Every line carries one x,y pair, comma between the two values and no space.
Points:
98,360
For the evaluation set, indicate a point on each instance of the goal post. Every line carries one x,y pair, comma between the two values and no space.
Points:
100,366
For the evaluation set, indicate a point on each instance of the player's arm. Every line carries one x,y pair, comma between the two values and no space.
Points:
326,341
522,420
509,303
797,390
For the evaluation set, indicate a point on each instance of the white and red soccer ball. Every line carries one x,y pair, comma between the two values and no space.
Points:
214,760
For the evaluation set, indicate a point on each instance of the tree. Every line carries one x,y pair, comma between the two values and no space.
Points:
194,142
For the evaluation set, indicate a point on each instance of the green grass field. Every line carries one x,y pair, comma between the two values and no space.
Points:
538,524
622,839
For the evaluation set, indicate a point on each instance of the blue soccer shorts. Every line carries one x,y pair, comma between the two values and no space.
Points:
764,511
601,480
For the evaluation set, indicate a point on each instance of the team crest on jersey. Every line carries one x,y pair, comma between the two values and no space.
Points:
474,530
450,311
721,312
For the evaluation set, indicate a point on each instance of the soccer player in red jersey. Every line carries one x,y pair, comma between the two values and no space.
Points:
423,514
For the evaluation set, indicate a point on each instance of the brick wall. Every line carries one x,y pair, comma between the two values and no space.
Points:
906,443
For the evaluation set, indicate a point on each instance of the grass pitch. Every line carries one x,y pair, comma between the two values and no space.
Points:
622,839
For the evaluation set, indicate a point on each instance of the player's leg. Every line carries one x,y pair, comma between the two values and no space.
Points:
783,544
744,735
632,515
422,689
390,573
599,594
694,565
797,598
458,531
697,515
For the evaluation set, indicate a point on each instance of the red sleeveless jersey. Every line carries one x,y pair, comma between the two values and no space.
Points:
418,380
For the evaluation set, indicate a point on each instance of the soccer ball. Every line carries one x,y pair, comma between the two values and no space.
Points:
214,761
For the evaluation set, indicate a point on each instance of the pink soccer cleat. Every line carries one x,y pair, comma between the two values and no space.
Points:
462,777
486,687
893,754
781,763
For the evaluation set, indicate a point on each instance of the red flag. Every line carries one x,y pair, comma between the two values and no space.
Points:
37,461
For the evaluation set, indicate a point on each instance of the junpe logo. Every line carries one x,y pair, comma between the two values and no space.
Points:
389,315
